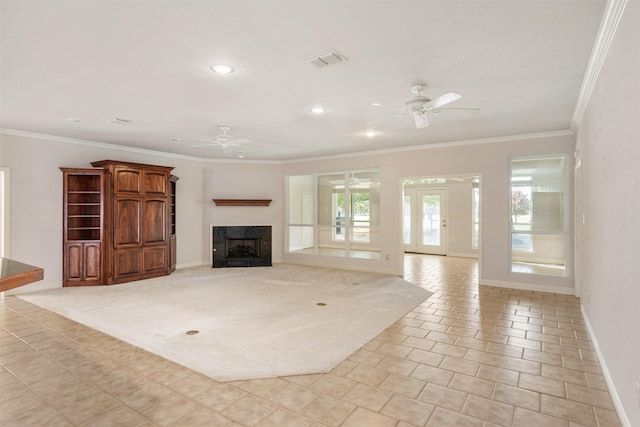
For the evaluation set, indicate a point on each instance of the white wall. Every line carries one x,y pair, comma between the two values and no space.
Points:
244,180
608,141
36,191
490,160
460,219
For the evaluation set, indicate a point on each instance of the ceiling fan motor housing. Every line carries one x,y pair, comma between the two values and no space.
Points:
416,105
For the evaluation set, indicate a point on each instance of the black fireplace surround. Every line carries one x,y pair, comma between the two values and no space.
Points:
242,246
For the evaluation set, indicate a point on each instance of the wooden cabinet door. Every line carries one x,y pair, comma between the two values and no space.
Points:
127,221
155,220
73,264
127,180
83,263
155,183
127,263
92,262
155,259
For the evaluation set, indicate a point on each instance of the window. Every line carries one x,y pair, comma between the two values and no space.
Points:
521,213
347,208
538,224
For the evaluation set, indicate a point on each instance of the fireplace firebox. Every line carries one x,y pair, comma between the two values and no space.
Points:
241,246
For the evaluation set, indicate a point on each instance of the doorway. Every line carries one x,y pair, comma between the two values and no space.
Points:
441,216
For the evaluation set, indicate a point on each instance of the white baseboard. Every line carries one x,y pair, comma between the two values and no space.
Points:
463,254
192,264
529,287
624,419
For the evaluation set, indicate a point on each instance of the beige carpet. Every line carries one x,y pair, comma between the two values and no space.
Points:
253,322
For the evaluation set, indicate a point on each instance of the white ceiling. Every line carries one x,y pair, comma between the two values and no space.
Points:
521,62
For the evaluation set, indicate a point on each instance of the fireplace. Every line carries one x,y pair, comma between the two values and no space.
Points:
241,246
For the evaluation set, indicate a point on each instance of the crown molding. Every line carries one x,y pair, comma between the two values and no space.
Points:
610,20
279,162
94,144
521,137
115,147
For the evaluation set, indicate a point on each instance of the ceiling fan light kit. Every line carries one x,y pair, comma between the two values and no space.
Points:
419,106
226,142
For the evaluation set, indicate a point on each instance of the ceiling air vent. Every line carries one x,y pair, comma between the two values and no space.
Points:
326,58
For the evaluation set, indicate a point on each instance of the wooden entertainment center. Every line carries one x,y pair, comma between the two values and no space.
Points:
119,223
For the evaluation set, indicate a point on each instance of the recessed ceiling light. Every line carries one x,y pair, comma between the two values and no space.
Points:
176,139
73,119
318,110
370,134
222,68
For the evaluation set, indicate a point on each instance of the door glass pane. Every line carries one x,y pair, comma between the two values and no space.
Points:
331,207
431,219
301,199
475,202
301,230
301,239
364,193
332,214
406,220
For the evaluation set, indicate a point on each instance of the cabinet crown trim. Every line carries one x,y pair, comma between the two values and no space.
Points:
104,163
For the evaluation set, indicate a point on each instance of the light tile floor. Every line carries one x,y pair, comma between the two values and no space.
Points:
464,357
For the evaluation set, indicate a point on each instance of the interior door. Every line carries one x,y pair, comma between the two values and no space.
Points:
425,221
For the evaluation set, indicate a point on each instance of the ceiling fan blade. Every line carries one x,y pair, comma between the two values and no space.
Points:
251,144
420,121
210,141
442,100
239,141
437,110
202,145
379,104
386,118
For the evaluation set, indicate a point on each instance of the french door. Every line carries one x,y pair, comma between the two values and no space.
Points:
425,221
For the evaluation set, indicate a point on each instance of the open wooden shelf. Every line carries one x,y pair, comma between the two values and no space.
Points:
242,202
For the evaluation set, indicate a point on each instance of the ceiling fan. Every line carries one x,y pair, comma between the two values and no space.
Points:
419,106
225,141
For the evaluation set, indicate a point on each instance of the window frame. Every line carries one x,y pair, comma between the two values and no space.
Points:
565,231
344,241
